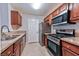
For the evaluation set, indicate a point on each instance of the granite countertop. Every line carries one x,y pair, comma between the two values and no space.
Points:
72,40
5,44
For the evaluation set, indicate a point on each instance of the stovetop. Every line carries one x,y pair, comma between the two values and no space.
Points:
56,37
60,35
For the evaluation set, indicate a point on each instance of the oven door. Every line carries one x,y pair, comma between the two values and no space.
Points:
54,48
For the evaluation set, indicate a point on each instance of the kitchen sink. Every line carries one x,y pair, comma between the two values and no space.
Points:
8,37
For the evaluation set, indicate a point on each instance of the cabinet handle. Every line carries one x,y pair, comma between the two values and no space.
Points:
9,52
68,47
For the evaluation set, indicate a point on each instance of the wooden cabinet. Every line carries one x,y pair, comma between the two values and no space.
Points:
55,13
23,42
45,40
74,14
8,51
67,52
48,19
63,7
17,48
69,49
59,10
16,19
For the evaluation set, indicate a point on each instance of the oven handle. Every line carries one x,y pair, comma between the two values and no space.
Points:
58,43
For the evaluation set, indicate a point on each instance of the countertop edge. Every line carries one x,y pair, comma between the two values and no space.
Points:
71,42
2,50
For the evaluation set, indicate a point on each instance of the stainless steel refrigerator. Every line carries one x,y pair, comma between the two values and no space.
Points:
43,28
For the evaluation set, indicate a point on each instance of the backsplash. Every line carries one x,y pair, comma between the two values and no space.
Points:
77,33
66,26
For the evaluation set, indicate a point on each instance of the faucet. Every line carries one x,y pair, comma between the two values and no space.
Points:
4,27
3,35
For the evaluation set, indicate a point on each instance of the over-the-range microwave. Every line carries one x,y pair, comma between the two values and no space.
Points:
62,18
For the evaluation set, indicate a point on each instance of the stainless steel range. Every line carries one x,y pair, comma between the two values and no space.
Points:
54,40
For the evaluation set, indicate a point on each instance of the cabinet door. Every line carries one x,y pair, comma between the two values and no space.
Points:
74,12
19,19
50,19
23,42
17,47
14,17
56,12
66,52
46,40
63,7
21,45
8,51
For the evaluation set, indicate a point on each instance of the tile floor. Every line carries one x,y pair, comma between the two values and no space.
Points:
35,49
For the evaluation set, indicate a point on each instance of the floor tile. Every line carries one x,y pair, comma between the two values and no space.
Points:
35,49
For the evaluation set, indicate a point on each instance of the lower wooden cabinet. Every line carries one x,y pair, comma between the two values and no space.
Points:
16,48
8,51
67,52
69,49
23,42
46,41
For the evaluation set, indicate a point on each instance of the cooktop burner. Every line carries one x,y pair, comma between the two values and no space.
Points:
60,35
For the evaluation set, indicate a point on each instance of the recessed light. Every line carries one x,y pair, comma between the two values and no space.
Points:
36,5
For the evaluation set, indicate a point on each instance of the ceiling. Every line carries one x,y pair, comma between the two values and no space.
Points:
27,8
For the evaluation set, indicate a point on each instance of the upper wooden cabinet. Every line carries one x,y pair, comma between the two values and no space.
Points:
16,19
69,49
17,48
55,13
60,9
63,7
74,14
48,19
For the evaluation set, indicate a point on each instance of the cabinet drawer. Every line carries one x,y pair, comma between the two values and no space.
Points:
71,47
67,52
8,51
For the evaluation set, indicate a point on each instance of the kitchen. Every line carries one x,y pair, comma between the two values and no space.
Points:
52,30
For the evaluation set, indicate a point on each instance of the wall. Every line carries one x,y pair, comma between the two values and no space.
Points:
4,14
50,11
26,22
9,12
77,33
5,18
67,26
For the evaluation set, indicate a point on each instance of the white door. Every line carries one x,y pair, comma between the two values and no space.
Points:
33,30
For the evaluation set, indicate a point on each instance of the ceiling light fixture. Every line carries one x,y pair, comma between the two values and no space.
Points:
36,5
